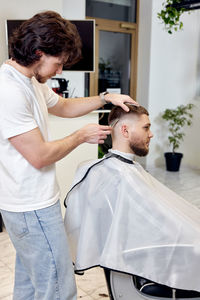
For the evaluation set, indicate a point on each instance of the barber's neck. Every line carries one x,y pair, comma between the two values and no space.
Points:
27,71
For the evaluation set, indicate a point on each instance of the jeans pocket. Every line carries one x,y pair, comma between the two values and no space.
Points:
15,223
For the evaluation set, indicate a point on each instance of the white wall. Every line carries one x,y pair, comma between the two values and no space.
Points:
144,55
169,75
144,51
74,9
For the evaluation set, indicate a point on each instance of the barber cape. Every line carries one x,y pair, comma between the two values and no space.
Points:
120,217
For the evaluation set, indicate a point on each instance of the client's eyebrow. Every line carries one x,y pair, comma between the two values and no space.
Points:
147,125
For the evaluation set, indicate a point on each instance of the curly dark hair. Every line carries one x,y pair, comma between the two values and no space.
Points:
47,32
117,112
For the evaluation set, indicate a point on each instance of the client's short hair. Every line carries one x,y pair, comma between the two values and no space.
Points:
117,112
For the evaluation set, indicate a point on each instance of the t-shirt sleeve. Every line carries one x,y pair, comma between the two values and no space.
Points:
16,116
50,96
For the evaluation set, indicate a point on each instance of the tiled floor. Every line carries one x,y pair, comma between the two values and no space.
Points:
92,286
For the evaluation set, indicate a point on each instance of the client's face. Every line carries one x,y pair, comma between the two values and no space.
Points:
140,136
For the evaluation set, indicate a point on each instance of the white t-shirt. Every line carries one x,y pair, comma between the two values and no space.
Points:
24,106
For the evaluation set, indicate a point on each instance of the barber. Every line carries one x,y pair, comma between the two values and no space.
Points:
29,193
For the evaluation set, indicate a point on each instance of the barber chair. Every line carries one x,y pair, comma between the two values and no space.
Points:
123,286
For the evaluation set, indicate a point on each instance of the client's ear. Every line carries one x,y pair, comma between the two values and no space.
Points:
124,131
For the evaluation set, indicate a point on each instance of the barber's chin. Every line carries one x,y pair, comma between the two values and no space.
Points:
43,80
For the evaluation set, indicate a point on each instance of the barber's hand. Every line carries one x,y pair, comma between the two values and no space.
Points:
120,100
95,133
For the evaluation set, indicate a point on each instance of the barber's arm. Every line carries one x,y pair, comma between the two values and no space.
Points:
40,153
76,107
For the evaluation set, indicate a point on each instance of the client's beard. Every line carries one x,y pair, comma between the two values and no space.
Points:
138,150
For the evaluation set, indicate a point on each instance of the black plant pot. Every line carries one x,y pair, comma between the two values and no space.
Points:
173,161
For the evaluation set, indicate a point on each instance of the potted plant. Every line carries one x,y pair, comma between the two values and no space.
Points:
170,15
176,119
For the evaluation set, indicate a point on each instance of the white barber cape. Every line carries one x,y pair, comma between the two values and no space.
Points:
121,218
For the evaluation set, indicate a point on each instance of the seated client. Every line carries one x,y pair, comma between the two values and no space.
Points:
121,218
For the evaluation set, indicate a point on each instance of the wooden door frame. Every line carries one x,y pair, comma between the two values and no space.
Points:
122,27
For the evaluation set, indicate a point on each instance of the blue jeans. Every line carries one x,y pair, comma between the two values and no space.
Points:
43,268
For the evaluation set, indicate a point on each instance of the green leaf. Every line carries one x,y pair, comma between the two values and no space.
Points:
171,16
177,119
